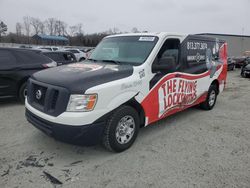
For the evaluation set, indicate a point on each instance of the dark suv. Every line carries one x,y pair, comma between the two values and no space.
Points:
16,66
245,70
230,64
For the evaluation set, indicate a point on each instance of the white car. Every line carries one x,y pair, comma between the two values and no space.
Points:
80,56
50,48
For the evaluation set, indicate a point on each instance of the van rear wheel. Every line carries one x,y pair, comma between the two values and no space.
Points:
210,101
121,130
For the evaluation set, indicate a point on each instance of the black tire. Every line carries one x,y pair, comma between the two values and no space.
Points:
242,74
22,92
233,67
82,59
206,105
109,140
230,68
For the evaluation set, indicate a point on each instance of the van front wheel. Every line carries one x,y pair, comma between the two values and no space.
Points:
210,101
122,129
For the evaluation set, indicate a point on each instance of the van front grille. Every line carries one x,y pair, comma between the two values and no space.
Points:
49,99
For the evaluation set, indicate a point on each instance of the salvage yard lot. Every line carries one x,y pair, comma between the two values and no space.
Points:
193,148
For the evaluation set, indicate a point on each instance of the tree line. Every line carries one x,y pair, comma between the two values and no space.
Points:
52,26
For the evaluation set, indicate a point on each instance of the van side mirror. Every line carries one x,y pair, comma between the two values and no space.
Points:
165,64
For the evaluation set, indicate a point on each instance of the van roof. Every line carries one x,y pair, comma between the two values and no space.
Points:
157,34
162,35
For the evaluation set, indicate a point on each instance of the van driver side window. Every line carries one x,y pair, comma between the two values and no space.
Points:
167,60
169,52
170,49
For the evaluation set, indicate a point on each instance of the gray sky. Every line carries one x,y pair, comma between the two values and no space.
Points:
184,16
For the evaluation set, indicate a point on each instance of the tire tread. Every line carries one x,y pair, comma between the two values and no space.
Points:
204,105
106,135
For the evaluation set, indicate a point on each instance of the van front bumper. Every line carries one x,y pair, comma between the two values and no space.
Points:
81,135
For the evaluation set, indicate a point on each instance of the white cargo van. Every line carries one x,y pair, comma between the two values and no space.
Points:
130,81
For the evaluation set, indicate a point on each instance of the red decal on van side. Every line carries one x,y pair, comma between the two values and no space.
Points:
223,56
171,95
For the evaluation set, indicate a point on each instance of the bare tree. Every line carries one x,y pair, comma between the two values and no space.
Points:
109,32
79,29
60,27
42,27
50,25
57,29
26,22
35,23
72,30
135,30
64,28
116,30
76,30
18,29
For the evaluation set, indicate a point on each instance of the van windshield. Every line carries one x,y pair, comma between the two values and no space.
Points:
126,49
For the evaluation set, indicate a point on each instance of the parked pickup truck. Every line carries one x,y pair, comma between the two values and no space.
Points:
130,81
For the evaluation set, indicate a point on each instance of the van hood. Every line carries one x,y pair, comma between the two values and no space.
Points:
78,77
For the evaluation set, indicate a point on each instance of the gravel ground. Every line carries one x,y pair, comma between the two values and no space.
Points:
194,148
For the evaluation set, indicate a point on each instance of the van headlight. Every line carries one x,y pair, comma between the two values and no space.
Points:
82,103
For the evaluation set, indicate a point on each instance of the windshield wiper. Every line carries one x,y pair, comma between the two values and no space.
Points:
111,61
105,60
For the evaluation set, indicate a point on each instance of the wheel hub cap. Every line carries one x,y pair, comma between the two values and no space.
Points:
212,97
125,129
